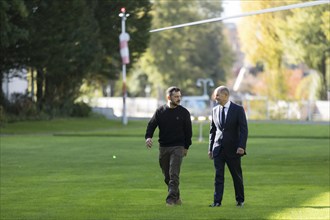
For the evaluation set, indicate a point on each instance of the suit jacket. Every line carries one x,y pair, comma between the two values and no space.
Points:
234,133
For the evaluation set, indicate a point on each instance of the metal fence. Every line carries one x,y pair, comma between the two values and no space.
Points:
256,108
264,109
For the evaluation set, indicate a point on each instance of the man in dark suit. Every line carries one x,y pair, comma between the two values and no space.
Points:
228,137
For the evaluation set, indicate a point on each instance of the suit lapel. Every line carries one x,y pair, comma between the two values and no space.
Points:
217,116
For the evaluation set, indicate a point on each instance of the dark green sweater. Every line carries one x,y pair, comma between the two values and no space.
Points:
174,126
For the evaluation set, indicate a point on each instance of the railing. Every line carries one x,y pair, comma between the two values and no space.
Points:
255,108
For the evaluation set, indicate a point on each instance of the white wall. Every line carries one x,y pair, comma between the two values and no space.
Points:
136,107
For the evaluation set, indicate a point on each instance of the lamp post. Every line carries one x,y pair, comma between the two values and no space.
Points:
201,120
147,90
203,82
124,38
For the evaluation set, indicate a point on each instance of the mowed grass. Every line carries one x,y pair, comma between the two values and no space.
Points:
65,169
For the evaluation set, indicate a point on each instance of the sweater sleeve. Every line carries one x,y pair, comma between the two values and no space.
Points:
188,131
152,125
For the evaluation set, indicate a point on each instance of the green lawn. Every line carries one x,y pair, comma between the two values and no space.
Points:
64,169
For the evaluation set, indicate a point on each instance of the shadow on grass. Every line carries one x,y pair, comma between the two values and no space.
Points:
98,135
313,207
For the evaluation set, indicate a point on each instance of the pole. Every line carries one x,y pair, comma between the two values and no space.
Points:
201,120
203,82
200,139
7,85
32,83
124,37
204,93
123,27
124,95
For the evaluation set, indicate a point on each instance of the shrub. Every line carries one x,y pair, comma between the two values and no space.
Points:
3,118
81,109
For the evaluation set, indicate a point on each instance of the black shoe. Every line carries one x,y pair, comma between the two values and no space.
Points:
239,204
215,204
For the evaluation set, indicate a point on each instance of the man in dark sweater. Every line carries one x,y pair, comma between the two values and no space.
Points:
175,132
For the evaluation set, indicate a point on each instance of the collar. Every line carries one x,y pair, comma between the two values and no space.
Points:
227,105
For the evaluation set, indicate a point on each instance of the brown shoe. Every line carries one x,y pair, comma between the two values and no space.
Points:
170,204
178,202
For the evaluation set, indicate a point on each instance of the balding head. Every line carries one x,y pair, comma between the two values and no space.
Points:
221,95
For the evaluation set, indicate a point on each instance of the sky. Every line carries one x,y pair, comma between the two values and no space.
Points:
231,7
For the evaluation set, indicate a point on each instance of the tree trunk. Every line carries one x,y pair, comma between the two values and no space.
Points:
2,95
323,73
51,92
40,86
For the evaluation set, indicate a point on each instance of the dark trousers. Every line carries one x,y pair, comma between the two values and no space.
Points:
170,159
234,165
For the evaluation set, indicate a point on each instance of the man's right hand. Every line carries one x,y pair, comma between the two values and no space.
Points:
148,142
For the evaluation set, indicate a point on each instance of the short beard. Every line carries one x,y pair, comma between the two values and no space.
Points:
173,104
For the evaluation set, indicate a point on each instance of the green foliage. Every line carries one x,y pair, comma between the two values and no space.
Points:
13,32
22,105
74,175
137,25
309,40
81,109
138,83
181,56
72,43
261,43
136,80
67,41
293,36
3,117
21,108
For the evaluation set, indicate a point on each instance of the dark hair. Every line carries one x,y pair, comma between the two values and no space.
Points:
172,89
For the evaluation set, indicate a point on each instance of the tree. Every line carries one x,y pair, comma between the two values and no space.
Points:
68,41
281,38
63,46
13,32
182,55
309,41
261,43
137,25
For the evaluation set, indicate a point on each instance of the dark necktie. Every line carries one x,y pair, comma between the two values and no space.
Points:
223,118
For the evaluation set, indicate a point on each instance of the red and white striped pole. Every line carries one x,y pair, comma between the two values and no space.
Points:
124,53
